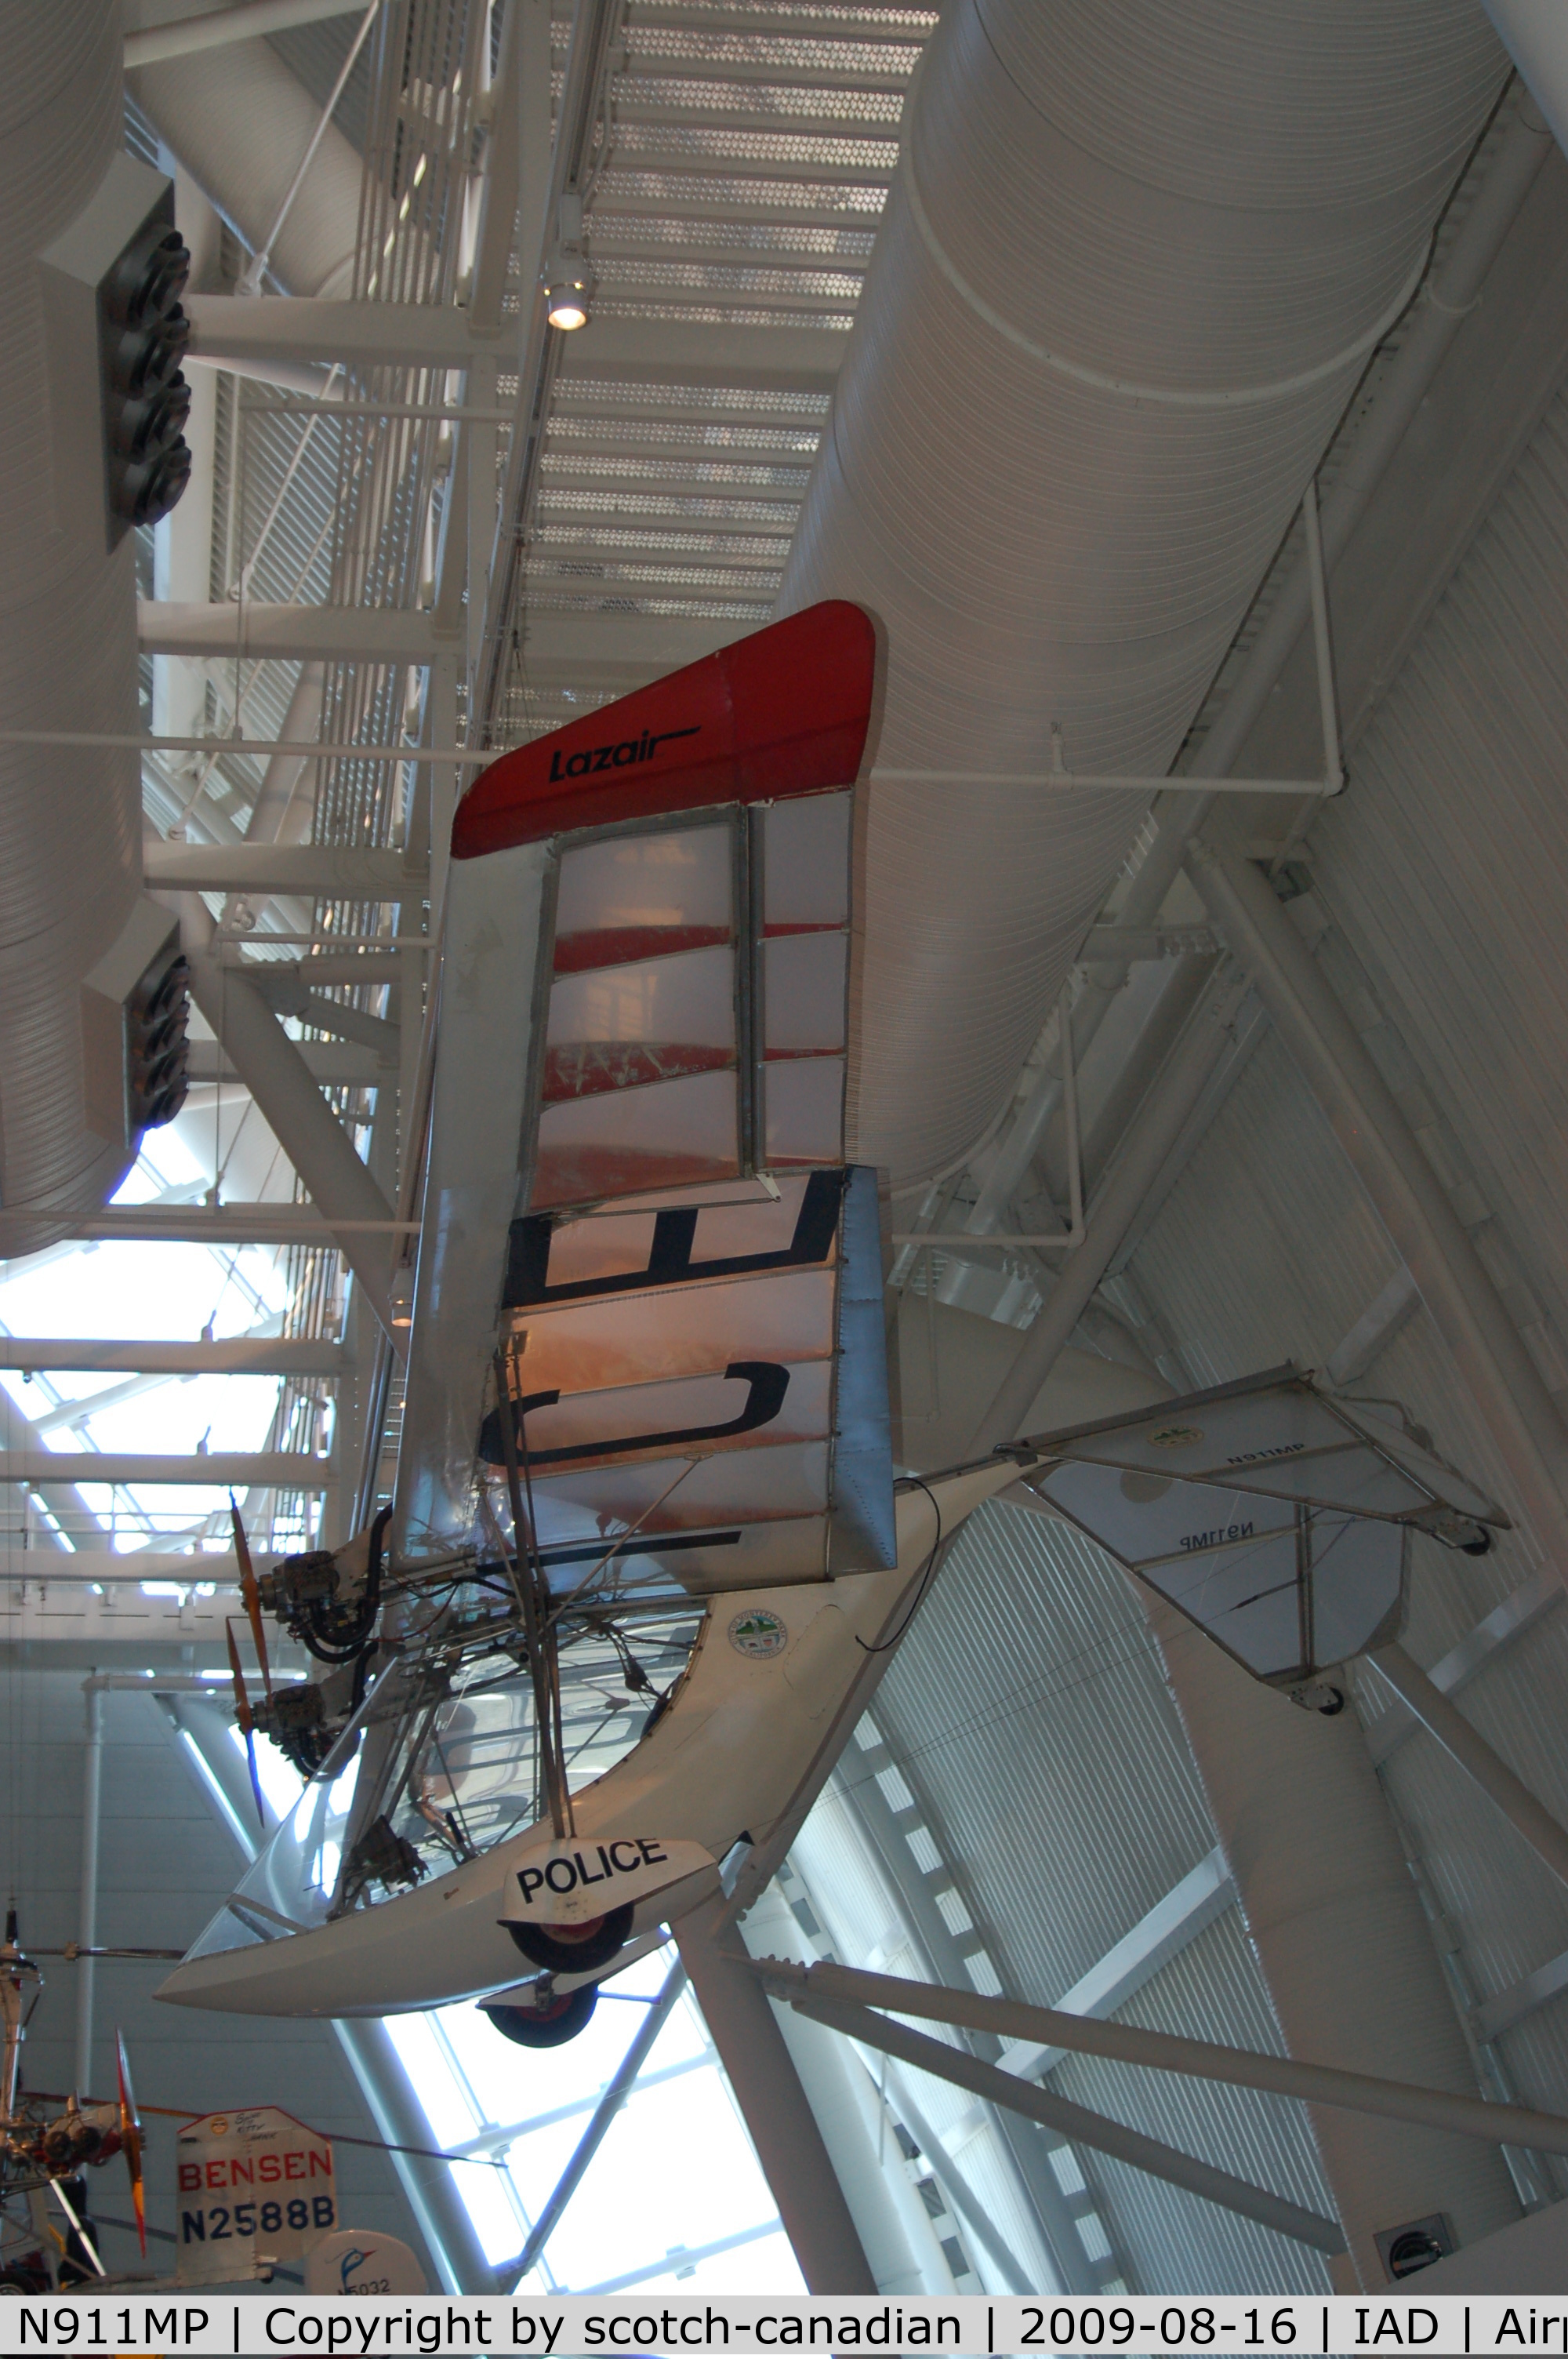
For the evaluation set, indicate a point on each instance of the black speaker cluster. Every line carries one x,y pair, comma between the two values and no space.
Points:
156,1019
142,336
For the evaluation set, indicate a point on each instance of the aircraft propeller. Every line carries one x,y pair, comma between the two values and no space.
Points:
251,1598
131,2134
246,1719
250,1594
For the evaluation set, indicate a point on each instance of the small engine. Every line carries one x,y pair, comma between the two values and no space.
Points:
305,1721
329,1599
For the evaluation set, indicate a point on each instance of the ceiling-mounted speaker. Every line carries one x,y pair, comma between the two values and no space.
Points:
136,1008
118,402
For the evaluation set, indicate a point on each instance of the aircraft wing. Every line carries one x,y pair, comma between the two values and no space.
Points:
639,1192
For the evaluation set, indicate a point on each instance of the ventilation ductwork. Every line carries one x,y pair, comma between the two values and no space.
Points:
1135,259
69,815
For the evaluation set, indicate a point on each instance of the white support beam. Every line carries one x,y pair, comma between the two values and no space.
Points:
285,633
1463,1741
303,327
1495,2016
1519,1612
1458,1292
74,1623
219,1470
309,1133
113,1568
1165,2051
200,1733
335,1064
69,1414
613,651
224,1224
332,872
1188,1910
1378,1324
1079,2122
774,2105
236,1355
157,30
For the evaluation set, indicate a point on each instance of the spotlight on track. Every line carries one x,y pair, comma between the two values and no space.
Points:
571,293
570,284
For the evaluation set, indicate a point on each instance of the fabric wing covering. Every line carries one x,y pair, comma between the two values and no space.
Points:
1274,1515
689,1274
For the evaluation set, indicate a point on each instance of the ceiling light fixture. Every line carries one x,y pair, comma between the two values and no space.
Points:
569,293
569,281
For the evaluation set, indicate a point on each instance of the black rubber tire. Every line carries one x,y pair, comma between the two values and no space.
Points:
546,2026
563,1951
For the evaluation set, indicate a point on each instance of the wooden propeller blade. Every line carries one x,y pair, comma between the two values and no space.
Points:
250,1594
131,2136
242,1700
246,1719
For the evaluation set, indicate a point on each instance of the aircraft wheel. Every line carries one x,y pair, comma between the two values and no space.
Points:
574,1948
546,2026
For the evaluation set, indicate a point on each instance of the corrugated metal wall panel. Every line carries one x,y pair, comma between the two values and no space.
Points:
862,1925
1029,1712
1212,1990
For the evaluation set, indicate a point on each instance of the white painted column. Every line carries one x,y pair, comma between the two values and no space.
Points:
783,2128
1335,1918
87,1908
890,2219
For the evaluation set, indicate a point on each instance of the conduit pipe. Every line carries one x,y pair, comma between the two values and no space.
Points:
70,825
239,122
87,1904
1155,1133
1502,1379
1133,263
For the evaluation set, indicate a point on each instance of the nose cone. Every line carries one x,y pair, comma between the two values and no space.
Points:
423,1948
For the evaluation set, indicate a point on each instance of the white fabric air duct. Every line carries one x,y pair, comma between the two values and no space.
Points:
69,817
239,122
1135,258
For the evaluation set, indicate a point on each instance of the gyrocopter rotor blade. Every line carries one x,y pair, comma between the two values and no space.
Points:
250,1594
131,2133
80,2224
246,1719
